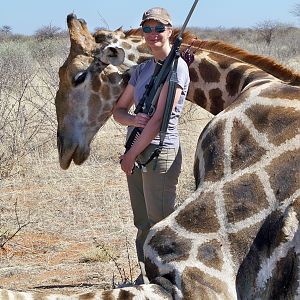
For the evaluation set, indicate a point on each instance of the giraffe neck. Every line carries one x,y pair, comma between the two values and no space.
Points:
219,74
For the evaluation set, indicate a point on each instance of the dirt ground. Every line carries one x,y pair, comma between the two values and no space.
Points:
80,234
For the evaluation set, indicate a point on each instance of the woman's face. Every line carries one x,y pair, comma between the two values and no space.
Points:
156,40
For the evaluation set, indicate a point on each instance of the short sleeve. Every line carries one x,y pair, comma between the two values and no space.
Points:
134,75
183,78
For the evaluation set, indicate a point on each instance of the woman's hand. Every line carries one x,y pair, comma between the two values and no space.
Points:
140,120
127,162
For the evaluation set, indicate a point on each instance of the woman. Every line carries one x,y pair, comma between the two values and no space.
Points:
152,189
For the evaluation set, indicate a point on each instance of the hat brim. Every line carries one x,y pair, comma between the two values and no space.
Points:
156,19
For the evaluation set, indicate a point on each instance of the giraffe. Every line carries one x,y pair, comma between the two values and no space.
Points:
237,236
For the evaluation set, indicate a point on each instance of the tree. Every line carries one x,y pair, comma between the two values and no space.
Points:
48,32
296,10
267,29
6,30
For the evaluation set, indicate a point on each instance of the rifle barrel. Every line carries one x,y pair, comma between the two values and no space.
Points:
188,17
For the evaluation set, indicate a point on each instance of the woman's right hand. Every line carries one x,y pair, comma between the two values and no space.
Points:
140,120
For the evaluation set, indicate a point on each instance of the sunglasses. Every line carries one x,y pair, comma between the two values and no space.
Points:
158,28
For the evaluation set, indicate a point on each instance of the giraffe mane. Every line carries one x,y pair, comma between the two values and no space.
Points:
267,64
187,36
133,32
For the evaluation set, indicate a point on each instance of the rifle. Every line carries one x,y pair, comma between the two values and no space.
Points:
150,97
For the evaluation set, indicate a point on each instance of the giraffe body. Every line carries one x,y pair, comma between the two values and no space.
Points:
237,236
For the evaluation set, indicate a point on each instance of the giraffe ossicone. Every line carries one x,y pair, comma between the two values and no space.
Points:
237,236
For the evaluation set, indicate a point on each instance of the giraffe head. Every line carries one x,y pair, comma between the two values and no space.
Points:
90,81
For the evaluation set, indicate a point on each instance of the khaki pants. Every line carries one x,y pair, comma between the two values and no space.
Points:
153,191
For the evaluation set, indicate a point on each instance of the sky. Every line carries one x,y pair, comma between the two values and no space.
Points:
27,16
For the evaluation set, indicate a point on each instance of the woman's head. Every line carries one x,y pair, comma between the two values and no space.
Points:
158,14
157,27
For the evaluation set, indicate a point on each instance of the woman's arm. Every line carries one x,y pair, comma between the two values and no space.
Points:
121,110
150,131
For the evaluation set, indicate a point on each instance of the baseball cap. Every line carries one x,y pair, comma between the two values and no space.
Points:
158,14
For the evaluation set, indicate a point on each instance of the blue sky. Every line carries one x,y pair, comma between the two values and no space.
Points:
26,16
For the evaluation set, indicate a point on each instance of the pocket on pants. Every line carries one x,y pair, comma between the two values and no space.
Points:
162,163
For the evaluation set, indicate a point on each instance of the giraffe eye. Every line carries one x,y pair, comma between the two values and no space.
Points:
79,78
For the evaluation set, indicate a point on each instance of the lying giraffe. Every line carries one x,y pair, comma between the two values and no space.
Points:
237,236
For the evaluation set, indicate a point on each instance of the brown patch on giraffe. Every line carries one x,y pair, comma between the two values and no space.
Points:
142,58
196,171
223,61
152,270
170,246
284,172
125,295
198,285
200,98
217,101
116,91
131,57
254,75
281,91
113,78
296,206
87,296
209,71
268,238
234,78
94,107
96,84
213,152
241,242
193,75
108,295
270,235
284,281
143,49
199,216
105,92
279,123
245,150
211,255
126,45
244,197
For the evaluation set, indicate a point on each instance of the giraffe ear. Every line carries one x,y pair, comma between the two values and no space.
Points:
113,55
80,37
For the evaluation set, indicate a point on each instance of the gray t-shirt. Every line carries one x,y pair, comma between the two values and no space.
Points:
141,76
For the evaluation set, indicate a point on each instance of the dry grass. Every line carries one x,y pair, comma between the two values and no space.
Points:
68,210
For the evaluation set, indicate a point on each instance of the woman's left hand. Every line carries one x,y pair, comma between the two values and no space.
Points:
127,162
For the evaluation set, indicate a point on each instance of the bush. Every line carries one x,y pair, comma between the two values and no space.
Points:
27,93
48,32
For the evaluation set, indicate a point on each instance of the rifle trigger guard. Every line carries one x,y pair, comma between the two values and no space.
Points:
151,111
